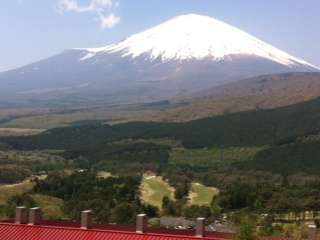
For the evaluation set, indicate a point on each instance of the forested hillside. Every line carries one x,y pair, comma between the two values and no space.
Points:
257,159
253,128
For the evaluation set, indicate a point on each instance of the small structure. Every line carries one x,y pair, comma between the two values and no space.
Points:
176,223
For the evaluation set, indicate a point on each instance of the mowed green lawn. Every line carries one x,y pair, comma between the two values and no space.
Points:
202,195
154,188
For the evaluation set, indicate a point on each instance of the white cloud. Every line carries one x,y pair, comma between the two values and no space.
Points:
109,21
101,3
70,5
101,7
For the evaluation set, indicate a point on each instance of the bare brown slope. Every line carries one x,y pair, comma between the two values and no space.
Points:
289,88
263,92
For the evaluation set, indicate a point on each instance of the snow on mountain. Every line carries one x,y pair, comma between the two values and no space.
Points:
193,36
187,54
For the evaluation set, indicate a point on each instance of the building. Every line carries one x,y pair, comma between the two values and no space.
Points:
28,225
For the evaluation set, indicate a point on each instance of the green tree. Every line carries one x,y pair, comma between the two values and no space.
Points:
246,231
168,207
124,213
296,231
182,190
215,207
150,210
266,227
18,200
195,211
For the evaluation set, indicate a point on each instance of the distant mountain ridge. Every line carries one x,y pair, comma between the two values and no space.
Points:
184,55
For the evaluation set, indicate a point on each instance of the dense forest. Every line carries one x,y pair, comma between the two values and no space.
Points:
112,199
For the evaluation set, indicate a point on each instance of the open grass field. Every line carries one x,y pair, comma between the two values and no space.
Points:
160,141
51,206
104,174
30,157
16,166
202,195
154,188
4,132
208,157
9,190
111,114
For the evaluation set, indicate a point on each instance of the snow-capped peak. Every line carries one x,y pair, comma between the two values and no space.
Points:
195,37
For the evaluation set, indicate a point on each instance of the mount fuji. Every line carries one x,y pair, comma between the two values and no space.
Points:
186,54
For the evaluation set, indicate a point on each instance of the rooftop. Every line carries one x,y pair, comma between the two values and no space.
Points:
31,226
49,230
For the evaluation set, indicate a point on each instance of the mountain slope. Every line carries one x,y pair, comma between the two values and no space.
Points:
184,55
262,92
192,36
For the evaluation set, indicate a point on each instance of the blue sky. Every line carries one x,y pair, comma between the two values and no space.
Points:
34,29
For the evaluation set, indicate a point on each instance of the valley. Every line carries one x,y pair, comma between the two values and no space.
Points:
181,169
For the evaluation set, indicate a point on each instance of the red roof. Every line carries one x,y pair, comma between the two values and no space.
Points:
50,231
274,238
